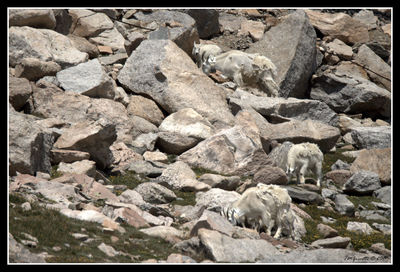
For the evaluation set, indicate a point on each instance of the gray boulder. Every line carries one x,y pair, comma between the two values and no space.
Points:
269,107
43,44
19,91
87,78
34,69
222,248
228,183
207,22
175,143
17,253
278,155
216,199
155,193
29,144
155,64
384,194
346,93
372,137
295,131
92,137
334,242
302,195
378,70
343,205
291,47
183,34
39,18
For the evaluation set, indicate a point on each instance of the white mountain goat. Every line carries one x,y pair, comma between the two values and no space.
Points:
245,69
201,52
263,206
303,157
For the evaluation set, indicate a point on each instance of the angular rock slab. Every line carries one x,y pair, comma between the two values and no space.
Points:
291,47
183,34
161,70
29,144
372,137
340,26
39,18
19,91
87,78
189,123
362,183
335,242
304,196
296,131
92,137
346,93
43,44
299,109
377,161
225,152
222,248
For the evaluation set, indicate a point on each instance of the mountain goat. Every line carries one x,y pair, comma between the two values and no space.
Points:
201,52
303,157
252,70
263,206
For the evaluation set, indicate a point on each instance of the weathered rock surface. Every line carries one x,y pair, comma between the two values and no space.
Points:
270,175
212,221
159,69
228,183
145,108
215,199
327,231
183,34
372,137
340,26
87,23
335,242
375,160
43,44
291,47
155,193
169,234
278,155
19,91
378,70
67,156
20,254
339,177
384,194
359,227
189,123
225,152
222,248
181,177
301,195
175,143
87,78
79,167
39,18
207,22
335,89
269,107
296,131
29,144
34,69
343,205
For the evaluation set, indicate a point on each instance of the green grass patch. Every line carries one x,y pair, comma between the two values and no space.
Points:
184,198
54,173
54,229
365,201
359,241
130,179
331,158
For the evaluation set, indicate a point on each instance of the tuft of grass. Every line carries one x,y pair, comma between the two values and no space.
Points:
54,229
331,158
184,198
364,201
359,241
130,179
54,173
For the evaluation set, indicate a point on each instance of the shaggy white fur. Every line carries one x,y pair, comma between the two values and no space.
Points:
303,157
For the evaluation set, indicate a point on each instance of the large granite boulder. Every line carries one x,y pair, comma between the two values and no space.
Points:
291,47
161,70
